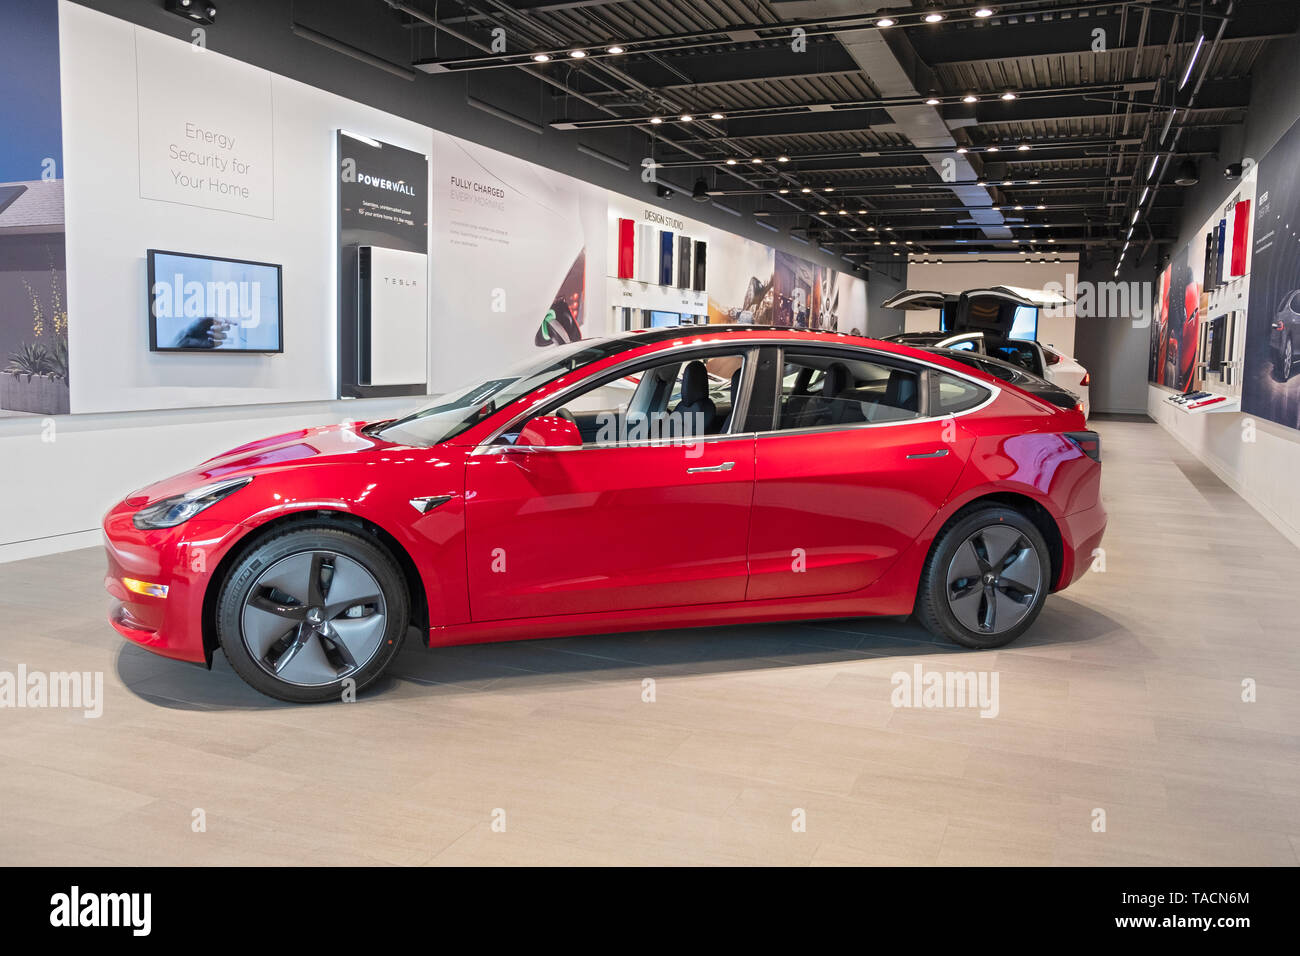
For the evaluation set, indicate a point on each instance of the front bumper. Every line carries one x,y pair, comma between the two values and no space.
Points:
182,559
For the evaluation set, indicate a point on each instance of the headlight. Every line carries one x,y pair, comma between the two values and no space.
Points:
170,512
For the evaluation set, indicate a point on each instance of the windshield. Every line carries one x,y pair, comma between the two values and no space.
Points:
452,413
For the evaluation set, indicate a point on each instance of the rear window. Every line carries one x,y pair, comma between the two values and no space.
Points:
958,394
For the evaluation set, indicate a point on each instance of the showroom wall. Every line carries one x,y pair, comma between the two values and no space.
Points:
1113,346
288,217
140,415
887,280
1252,450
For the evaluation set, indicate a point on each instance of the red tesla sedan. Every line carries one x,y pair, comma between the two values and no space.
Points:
676,477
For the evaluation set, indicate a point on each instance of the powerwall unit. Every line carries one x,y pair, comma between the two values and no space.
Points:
392,333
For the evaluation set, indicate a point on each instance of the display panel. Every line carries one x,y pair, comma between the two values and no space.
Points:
203,303
1024,324
665,258
701,265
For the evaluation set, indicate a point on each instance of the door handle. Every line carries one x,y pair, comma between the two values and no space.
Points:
725,466
931,454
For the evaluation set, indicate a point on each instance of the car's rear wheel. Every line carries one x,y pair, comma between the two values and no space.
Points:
311,613
986,578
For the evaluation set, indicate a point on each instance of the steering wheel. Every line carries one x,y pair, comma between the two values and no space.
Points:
566,415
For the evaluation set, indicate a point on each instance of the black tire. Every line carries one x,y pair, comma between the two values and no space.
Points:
329,556
935,609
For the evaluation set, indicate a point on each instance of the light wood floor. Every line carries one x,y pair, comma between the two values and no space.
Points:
1126,697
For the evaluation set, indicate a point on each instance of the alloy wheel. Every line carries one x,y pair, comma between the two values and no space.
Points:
993,579
313,618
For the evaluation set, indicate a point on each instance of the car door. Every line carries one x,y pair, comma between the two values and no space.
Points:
621,521
842,490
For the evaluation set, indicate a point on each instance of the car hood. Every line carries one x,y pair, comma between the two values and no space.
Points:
305,447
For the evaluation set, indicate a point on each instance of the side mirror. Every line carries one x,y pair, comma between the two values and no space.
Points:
549,431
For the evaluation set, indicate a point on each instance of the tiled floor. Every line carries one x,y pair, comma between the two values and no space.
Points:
1124,698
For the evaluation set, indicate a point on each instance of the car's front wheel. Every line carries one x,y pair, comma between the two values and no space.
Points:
986,579
312,613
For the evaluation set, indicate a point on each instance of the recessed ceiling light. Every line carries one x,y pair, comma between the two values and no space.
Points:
1042,207
862,212
983,12
806,189
716,116
686,117
963,150
541,57
970,98
731,162
871,228
577,54
615,50
1006,182
656,120
932,101
844,212
1019,208
886,22
1023,147
783,191
827,189
756,160
1008,95
783,159
935,17
853,228
992,149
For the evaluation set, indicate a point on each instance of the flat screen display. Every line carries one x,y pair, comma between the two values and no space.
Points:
660,320
209,304
1024,324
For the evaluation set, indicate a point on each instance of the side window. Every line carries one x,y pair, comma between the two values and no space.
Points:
958,395
672,398
820,389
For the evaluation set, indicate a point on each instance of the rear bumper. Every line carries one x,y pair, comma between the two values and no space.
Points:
1081,535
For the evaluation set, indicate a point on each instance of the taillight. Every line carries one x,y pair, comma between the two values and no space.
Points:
1086,380
1089,443
1053,358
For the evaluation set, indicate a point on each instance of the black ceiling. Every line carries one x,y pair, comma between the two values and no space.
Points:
826,130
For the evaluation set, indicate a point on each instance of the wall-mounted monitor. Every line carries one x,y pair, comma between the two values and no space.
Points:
203,303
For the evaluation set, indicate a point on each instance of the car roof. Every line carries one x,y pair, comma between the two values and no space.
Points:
720,333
